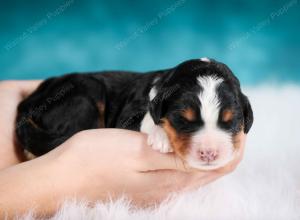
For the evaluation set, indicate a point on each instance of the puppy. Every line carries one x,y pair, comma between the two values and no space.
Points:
194,109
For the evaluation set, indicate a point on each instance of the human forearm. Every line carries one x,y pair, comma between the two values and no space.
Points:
98,165
11,93
38,184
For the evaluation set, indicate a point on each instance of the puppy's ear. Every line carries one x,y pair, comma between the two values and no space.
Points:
247,113
156,110
158,106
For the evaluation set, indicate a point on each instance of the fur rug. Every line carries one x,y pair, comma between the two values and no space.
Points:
266,185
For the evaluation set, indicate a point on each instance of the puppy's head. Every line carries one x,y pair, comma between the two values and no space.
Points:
201,107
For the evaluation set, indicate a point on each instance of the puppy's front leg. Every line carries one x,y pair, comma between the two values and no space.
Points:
157,137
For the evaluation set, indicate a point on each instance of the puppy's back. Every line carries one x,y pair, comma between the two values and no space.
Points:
59,108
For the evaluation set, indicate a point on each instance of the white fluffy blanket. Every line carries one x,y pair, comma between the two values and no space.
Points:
265,186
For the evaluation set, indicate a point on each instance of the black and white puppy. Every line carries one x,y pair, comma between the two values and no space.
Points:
194,109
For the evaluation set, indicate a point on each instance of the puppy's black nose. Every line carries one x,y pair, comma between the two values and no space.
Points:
207,155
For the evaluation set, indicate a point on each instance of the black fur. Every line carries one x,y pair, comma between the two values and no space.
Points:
63,106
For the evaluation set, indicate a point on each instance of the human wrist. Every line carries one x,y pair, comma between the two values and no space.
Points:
71,172
41,186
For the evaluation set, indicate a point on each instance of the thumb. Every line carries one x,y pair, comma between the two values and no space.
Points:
154,160
28,86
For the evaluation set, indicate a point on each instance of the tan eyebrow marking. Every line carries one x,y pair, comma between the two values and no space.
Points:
189,114
227,115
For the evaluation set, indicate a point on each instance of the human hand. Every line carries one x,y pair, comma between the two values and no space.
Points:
108,163
92,165
99,165
11,93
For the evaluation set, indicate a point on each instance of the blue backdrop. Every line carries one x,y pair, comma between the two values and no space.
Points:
259,40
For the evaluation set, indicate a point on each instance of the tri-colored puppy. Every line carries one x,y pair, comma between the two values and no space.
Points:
194,109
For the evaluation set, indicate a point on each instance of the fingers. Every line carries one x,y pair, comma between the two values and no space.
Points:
239,140
155,160
22,87
28,86
239,144
132,145
201,178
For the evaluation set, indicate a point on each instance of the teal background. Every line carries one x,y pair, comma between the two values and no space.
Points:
259,40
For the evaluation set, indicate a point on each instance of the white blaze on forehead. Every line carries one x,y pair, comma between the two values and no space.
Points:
210,137
209,100
205,59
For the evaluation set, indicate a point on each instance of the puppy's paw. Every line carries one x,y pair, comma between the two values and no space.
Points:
159,140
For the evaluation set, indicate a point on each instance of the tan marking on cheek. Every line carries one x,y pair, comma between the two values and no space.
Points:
101,109
189,114
179,142
227,115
